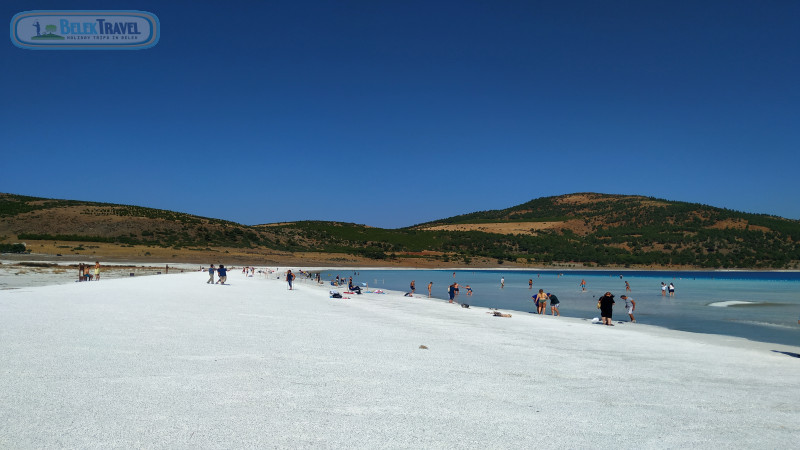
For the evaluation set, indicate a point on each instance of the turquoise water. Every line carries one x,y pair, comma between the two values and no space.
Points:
770,314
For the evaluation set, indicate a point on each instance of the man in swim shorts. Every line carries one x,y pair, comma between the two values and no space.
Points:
553,304
630,306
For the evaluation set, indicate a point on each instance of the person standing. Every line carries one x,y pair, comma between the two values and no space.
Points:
607,308
583,285
502,282
663,289
452,291
289,278
627,287
553,304
430,286
630,306
80,272
222,275
541,302
671,290
530,283
413,287
97,271
210,275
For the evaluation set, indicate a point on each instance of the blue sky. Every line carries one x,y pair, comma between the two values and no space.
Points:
391,113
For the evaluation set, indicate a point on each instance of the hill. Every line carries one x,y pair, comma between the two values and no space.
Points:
584,229
637,230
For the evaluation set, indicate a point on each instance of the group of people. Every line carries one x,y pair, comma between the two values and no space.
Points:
85,272
453,290
222,274
541,299
605,303
606,306
248,271
665,288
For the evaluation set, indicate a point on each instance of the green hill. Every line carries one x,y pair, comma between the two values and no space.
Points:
585,229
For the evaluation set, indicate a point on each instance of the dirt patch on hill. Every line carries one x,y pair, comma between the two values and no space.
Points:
737,224
500,228
577,226
577,199
80,220
590,198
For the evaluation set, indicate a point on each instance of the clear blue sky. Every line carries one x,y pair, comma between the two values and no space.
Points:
391,113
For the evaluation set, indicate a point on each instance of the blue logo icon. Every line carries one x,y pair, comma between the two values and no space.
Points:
85,30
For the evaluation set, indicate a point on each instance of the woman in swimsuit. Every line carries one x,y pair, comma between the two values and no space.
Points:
541,297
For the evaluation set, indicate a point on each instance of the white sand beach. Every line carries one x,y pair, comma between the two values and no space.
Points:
168,361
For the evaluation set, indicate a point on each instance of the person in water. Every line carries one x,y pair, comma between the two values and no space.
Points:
541,300
630,306
553,304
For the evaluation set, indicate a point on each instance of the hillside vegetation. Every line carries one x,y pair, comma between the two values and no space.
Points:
585,229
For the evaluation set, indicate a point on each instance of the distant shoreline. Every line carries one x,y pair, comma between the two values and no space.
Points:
22,270
335,261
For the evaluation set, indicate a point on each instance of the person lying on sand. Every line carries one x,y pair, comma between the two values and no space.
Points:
497,313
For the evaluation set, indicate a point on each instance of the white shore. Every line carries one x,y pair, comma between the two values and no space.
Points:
172,362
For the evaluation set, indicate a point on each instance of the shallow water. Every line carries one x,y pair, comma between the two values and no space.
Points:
768,312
